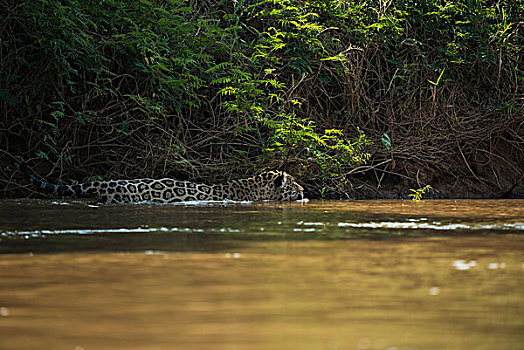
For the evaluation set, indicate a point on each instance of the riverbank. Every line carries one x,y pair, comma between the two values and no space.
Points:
355,101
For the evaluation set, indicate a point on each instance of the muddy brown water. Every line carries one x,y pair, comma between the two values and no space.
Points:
360,275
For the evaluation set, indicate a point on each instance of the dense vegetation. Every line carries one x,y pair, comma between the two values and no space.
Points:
356,98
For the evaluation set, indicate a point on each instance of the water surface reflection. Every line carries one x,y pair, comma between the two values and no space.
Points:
262,276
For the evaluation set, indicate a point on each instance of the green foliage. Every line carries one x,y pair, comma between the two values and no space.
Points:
386,141
418,193
85,58
330,150
197,86
288,44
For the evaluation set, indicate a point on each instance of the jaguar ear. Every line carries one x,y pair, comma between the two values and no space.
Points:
280,181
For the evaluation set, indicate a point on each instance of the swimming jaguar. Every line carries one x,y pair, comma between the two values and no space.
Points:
269,185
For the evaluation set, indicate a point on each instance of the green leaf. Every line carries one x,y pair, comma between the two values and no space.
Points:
386,141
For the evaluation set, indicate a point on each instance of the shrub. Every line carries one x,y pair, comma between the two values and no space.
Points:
205,90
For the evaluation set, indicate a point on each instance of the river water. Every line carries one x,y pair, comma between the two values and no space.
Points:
359,275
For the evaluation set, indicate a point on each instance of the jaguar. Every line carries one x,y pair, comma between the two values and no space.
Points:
269,185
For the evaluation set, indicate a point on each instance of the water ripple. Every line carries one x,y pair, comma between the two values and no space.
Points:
302,227
39,233
435,225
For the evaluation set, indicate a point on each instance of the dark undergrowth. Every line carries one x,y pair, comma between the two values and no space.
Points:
358,99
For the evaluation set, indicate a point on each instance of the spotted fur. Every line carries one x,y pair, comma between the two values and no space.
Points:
269,185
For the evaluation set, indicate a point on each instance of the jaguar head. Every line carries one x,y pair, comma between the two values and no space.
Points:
286,188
